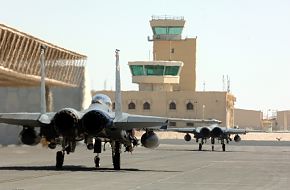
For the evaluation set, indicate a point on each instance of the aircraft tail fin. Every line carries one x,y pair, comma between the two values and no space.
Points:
42,82
118,99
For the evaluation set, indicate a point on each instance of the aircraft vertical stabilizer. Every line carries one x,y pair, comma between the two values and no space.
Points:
42,83
118,99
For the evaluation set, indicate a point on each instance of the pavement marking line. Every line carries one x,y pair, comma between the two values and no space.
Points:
170,177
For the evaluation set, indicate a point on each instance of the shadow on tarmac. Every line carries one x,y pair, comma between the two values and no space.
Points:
72,168
196,150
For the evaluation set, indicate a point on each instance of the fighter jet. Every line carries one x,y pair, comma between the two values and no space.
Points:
213,132
96,125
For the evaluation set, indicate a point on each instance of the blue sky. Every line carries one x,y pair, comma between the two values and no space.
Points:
245,39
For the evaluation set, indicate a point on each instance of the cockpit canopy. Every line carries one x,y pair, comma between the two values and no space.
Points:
102,99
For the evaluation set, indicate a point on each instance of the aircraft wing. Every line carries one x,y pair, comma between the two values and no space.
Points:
129,121
182,130
231,131
26,119
200,121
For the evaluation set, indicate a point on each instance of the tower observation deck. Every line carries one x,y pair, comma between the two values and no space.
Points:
20,61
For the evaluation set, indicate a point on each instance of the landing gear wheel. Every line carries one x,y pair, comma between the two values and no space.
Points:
200,147
59,159
97,161
224,147
116,156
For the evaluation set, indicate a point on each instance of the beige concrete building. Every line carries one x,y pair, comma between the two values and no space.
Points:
167,85
251,119
283,121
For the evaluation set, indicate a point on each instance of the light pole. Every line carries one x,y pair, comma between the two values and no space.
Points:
195,108
203,111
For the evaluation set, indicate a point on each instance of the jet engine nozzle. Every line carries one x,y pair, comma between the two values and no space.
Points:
237,138
205,132
28,136
66,122
150,140
217,132
187,137
94,122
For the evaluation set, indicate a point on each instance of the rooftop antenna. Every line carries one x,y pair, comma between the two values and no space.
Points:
224,85
228,84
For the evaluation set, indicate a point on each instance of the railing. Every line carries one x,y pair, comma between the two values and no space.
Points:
167,17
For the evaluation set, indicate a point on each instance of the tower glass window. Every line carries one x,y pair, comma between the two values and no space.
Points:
137,70
172,30
171,70
154,69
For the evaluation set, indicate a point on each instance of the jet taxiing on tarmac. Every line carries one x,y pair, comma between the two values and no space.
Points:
94,125
212,131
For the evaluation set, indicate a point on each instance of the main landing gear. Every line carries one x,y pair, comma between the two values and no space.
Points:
98,150
59,159
200,144
68,147
116,157
116,151
212,144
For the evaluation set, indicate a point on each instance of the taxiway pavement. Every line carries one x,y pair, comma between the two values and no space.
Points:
175,164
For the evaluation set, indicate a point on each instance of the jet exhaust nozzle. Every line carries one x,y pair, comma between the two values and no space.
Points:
66,122
205,132
217,132
94,122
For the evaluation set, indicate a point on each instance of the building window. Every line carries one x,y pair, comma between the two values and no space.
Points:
172,124
189,124
146,106
189,106
172,106
131,106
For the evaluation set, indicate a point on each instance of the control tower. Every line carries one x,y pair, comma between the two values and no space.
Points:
168,45
155,75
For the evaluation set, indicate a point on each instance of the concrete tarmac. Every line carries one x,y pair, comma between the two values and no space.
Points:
175,164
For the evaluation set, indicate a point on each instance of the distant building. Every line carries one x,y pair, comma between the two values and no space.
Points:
248,118
167,84
283,120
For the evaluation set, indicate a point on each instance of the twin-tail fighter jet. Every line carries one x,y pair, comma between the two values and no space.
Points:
94,125
213,132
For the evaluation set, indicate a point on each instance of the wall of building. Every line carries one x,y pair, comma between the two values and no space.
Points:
205,104
248,118
28,100
283,120
179,50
